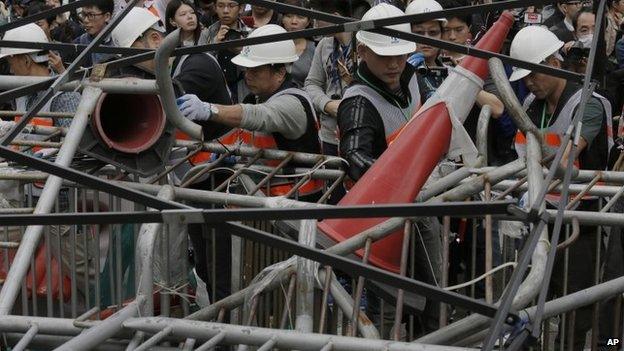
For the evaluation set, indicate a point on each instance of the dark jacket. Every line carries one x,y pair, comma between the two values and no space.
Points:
562,32
362,133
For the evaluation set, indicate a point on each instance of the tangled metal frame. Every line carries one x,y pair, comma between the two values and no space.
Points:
131,324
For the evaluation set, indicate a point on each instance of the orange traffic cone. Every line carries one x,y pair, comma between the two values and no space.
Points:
403,168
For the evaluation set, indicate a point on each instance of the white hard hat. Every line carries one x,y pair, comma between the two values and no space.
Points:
30,32
424,6
131,27
533,44
268,53
381,44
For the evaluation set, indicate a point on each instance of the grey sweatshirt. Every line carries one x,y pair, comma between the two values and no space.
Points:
283,114
320,87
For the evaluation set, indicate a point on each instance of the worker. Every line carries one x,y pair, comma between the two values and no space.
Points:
551,106
275,115
36,62
381,100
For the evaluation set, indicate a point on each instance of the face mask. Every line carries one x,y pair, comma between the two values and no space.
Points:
586,40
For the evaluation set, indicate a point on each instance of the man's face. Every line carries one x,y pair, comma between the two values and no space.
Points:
263,80
93,19
388,69
53,3
151,39
543,85
19,65
456,31
430,29
585,24
227,11
570,8
292,22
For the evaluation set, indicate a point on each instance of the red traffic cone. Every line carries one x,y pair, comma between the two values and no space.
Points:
403,168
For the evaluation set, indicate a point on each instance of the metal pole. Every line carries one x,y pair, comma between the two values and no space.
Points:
31,237
284,339
306,270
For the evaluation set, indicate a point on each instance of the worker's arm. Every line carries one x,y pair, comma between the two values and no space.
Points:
284,115
590,128
359,130
485,98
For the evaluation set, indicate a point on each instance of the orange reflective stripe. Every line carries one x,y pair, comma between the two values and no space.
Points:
552,139
309,187
520,138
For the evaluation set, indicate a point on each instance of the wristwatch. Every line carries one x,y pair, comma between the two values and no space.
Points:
214,111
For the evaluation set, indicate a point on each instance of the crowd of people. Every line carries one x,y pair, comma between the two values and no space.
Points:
350,94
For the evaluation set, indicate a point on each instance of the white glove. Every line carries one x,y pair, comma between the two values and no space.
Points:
193,108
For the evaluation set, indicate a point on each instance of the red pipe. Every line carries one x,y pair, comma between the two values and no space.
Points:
129,123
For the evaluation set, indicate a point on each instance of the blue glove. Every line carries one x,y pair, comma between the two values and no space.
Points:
193,108
416,59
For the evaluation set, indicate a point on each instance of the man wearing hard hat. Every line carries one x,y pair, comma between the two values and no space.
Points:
276,115
551,106
35,62
381,100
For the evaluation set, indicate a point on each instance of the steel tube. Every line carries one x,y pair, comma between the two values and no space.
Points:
273,154
165,85
106,329
306,270
144,259
109,85
482,133
284,339
24,341
31,237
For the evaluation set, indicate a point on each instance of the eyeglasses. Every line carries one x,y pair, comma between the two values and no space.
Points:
229,5
428,33
89,15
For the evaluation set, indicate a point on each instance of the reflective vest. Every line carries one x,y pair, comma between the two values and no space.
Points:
394,117
229,138
308,143
20,105
552,135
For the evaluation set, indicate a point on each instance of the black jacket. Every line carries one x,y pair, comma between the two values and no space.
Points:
562,32
202,76
362,133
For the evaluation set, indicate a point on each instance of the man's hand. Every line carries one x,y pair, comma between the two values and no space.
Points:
193,108
221,33
55,62
331,108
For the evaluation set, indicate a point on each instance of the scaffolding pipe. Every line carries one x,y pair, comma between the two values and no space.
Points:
482,134
108,85
306,270
108,328
284,339
30,239
167,94
345,302
272,154
144,257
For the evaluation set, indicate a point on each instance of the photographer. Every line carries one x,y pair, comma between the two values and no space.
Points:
577,51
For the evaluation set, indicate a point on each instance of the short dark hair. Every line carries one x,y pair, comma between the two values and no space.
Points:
341,7
578,15
449,4
106,6
37,8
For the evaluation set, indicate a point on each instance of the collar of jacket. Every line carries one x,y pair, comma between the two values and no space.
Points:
287,84
404,80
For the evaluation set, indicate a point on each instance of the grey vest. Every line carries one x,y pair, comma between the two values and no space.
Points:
393,117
